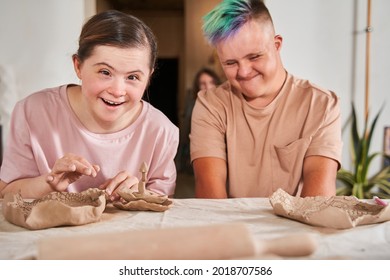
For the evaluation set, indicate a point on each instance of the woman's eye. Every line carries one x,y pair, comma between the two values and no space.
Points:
132,77
104,72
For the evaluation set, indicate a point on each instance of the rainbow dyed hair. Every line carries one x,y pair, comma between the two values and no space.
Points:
229,16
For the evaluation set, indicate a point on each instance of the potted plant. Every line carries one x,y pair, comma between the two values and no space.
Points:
357,182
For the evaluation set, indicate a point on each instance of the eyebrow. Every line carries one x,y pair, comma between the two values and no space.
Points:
113,68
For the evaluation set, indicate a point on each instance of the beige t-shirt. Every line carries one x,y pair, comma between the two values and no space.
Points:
265,148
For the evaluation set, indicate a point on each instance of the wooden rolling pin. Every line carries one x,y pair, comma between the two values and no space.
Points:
223,241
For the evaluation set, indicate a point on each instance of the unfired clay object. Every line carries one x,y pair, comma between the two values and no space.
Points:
55,209
339,212
139,198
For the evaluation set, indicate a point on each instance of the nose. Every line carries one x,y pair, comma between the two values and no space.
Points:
244,69
117,88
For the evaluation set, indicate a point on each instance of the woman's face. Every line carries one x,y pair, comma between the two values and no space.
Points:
206,82
113,83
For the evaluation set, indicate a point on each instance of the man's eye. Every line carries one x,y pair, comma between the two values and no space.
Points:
254,57
230,63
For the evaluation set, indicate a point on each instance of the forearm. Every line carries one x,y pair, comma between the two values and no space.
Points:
319,177
204,191
210,178
36,187
315,185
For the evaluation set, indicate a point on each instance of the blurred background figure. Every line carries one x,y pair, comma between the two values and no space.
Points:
205,79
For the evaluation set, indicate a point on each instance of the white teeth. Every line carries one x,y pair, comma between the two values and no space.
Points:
111,102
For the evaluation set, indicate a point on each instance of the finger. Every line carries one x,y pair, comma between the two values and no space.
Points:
91,167
114,182
49,178
73,163
104,185
53,180
83,168
129,182
121,180
96,169
63,166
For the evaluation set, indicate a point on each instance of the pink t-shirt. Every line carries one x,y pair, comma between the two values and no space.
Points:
44,128
265,148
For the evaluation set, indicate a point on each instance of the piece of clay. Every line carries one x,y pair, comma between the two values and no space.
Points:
339,212
55,209
139,198
142,205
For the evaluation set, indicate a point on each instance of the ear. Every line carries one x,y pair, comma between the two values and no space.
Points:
278,42
77,65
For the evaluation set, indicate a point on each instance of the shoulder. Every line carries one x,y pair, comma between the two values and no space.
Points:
315,96
45,99
221,97
313,90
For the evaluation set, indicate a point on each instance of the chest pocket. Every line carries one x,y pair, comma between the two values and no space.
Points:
287,163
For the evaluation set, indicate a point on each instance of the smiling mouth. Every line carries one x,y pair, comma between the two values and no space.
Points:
111,103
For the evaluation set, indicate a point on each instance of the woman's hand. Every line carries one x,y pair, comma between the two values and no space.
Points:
122,180
69,169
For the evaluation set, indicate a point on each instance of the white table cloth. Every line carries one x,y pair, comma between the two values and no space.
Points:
363,242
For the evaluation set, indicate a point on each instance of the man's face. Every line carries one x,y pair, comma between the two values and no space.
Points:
251,62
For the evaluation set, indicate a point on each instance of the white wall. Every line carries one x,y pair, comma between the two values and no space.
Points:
324,41
38,39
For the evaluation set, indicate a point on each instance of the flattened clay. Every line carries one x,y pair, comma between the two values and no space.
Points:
148,196
55,209
138,198
339,212
140,204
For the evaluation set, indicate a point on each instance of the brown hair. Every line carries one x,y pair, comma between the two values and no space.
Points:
207,71
114,28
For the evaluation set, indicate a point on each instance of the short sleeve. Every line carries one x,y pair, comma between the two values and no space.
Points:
327,140
208,126
163,177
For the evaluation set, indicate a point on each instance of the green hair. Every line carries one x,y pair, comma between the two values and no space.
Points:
229,16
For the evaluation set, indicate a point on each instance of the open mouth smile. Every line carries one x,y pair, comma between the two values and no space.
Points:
111,103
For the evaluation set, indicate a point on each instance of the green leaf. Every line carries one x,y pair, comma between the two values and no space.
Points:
371,131
357,182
